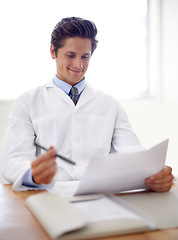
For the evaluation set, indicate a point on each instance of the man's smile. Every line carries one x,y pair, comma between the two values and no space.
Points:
76,70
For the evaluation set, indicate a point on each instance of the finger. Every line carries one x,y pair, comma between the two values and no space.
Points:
44,167
161,187
41,168
46,176
44,157
163,180
165,172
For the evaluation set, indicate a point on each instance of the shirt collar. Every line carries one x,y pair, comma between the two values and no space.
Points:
66,86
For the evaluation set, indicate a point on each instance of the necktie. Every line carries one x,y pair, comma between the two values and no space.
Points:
74,93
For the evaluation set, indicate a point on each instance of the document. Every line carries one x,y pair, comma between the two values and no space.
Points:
116,172
121,172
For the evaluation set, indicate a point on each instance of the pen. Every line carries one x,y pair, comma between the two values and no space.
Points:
57,155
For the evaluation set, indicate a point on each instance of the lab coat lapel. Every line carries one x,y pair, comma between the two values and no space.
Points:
60,93
86,96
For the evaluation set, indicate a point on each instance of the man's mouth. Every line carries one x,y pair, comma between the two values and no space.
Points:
76,70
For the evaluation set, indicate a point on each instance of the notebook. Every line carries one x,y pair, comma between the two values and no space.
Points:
107,215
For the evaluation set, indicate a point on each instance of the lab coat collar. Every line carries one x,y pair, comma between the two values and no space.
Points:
86,95
49,84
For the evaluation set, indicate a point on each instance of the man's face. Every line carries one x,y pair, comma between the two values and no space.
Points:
72,59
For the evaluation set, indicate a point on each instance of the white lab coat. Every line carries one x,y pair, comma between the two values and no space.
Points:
96,125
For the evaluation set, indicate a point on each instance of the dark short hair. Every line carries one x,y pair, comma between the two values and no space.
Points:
73,27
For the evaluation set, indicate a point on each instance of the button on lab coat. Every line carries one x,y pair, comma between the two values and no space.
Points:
98,124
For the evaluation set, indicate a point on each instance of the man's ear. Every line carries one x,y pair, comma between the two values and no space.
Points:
53,55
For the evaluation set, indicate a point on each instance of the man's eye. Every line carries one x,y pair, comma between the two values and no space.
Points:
71,56
85,57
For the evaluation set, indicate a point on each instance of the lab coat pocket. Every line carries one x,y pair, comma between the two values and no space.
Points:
100,131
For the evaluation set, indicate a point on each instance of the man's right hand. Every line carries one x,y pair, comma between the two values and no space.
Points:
44,167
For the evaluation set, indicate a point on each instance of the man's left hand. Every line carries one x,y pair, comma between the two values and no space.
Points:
162,181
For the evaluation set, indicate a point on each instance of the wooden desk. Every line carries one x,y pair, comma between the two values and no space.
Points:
17,223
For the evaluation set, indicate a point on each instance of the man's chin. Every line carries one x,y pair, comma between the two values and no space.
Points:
74,81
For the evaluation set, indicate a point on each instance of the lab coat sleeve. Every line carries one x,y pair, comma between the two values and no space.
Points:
19,150
124,138
28,181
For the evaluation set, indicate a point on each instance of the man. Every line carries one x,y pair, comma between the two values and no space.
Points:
78,122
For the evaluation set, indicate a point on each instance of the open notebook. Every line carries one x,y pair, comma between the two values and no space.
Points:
106,216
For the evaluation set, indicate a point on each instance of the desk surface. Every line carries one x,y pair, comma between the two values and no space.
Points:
16,221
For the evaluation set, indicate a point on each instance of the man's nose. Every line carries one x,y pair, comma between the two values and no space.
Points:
78,62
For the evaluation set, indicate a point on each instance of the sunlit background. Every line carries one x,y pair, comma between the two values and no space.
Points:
118,66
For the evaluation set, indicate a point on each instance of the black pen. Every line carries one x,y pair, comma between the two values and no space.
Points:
57,155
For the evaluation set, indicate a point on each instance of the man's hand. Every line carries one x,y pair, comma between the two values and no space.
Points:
162,181
44,167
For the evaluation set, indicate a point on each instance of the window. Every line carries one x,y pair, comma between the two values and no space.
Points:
118,66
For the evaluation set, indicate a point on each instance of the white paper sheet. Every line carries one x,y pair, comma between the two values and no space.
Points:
68,188
116,172
121,172
65,188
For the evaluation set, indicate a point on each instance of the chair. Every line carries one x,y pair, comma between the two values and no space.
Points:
5,108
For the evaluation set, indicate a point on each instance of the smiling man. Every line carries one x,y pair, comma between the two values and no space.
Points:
69,115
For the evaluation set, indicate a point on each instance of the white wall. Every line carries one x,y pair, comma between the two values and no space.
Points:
154,122
157,119
170,50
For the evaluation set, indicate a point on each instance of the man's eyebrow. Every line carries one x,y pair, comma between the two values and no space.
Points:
70,52
87,54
